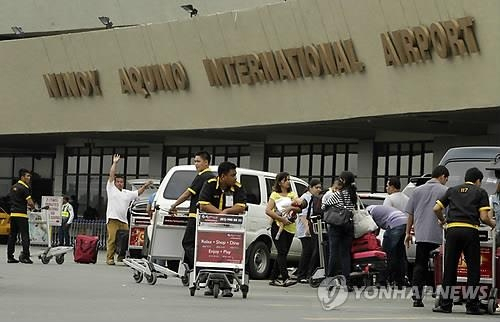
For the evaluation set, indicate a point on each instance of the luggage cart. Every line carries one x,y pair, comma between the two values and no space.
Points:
165,244
319,226
50,252
220,254
487,269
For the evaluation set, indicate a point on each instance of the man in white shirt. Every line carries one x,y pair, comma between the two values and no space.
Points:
395,199
116,211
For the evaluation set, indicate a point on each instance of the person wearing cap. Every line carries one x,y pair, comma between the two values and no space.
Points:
468,206
393,221
67,215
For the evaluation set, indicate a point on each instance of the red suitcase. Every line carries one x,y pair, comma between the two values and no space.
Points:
85,250
374,260
367,242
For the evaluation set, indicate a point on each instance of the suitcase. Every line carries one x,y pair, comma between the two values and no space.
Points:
121,242
85,250
367,242
373,260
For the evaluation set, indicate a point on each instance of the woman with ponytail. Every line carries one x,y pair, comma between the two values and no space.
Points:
340,237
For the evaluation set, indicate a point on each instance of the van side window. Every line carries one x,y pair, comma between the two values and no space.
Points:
251,185
300,188
269,186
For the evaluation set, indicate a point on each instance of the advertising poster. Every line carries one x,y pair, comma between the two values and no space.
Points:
220,247
485,264
54,210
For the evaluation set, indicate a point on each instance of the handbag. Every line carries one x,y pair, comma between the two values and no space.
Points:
363,221
337,216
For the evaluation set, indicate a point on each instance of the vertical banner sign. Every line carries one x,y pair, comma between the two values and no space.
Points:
55,207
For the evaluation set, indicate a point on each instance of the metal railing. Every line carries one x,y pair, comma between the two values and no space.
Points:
79,227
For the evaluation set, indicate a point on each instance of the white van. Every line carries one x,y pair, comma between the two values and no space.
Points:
258,185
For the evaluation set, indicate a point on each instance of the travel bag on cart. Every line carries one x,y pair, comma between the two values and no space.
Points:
121,242
367,242
375,259
85,250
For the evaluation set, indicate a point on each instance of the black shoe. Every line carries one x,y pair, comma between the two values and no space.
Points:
418,303
227,293
441,309
289,282
475,311
12,260
276,283
209,292
25,260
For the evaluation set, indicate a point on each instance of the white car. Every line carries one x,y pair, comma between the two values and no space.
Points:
258,185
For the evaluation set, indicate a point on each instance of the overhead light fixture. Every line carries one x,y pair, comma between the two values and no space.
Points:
106,21
189,8
18,30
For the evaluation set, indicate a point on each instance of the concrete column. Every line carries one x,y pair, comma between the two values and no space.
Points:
365,165
155,160
257,156
58,170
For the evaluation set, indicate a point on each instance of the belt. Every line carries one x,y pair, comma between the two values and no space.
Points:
192,215
19,214
461,224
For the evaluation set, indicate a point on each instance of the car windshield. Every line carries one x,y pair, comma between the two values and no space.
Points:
149,190
178,183
457,171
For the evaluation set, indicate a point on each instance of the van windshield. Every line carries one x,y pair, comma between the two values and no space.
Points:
457,172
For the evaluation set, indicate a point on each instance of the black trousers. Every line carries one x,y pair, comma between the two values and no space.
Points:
18,225
283,245
458,240
340,242
188,242
308,257
421,268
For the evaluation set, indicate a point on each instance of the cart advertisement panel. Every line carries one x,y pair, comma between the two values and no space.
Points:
137,236
220,247
486,264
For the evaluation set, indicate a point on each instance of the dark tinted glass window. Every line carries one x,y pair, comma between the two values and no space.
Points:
178,183
251,185
301,188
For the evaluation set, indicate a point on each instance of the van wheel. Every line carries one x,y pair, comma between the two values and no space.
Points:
259,260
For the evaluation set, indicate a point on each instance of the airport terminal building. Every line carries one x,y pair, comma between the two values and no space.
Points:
311,87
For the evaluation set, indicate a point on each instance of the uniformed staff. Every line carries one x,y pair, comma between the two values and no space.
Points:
20,199
67,215
468,206
223,195
201,163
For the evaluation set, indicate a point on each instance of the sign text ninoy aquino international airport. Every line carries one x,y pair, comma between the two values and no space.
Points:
452,37
333,58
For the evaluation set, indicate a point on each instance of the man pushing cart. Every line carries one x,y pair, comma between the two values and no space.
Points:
220,236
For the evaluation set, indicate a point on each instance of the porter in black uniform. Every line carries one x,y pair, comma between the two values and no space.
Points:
223,195
20,199
202,163
468,205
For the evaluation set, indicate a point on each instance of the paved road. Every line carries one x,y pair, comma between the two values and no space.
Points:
79,292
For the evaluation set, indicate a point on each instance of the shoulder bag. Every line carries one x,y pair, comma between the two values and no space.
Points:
337,216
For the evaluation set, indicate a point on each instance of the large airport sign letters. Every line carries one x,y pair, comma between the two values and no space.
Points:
453,37
72,84
146,79
333,58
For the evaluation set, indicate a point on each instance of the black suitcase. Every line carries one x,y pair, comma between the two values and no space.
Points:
121,243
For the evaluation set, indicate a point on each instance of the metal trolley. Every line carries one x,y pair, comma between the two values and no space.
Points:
165,244
319,274
220,254
487,269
